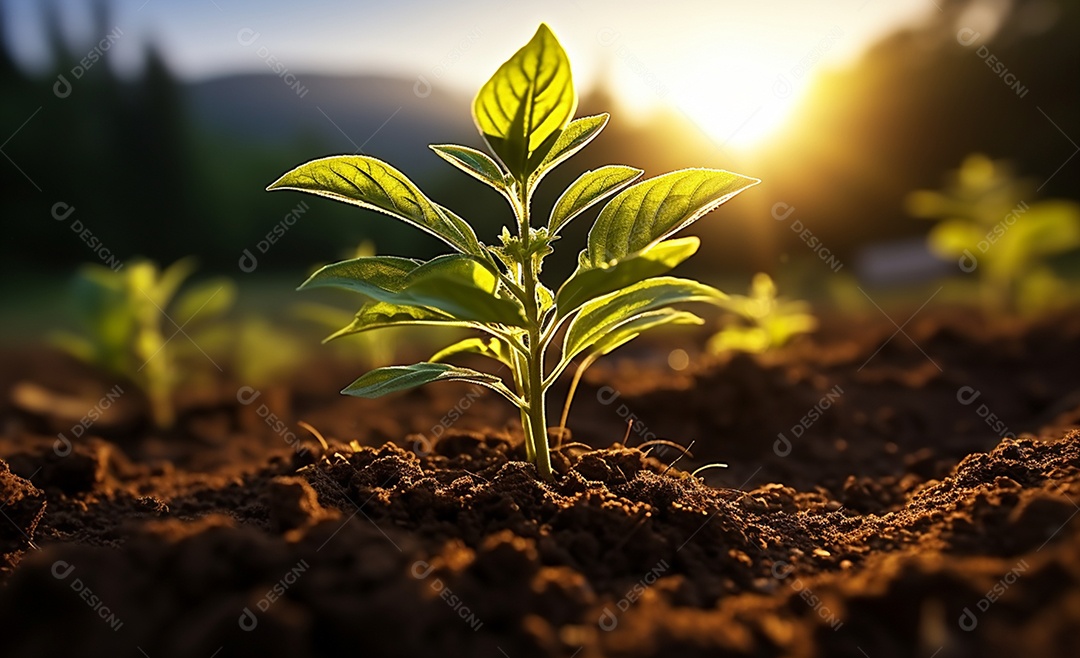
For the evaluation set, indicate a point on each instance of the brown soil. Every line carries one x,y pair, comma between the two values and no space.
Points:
896,522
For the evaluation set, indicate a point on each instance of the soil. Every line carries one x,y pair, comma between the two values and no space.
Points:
888,494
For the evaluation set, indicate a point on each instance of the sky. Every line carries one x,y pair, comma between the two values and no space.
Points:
735,68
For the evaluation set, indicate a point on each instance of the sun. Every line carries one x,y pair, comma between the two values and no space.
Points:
741,123
739,106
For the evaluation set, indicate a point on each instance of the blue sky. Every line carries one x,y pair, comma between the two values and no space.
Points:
693,55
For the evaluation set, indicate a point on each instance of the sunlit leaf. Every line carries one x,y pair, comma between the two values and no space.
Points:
950,238
162,289
601,316
457,285
392,379
586,284
492,348
524,107
365,275
651,210
641,323
1049,227
576,136
379,315
590,188
370,183
462,287
475,163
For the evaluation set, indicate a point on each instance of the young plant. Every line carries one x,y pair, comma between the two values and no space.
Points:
762,321
989,225
525,114
126,315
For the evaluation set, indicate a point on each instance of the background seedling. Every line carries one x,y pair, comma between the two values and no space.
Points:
525,114
363,347
762,321
991,225
130,319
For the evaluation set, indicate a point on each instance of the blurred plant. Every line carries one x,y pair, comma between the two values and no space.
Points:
762,321
130,318
988,225
257,351
524,113
362,347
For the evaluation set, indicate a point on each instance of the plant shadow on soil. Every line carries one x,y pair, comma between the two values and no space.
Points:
872,508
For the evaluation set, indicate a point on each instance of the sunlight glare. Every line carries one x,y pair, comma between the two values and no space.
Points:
739,94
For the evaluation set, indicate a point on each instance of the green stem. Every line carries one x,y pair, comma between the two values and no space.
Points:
519,381
536,429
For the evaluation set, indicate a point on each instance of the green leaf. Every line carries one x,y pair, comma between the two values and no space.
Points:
949,238
392,379
493,348
456,284
605,314
524,107
475,163
370,183
590,188
576,136
365,275
633,328
586,284
1048,227
379,315
651,210
462,287
172,277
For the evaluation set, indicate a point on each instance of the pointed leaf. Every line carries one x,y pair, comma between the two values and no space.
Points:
375,185
601,316
475,163
586,284
461,287
456,284
590,188
639,324
379,315
364,274
493,348
576,136
524,107
651,210
392,379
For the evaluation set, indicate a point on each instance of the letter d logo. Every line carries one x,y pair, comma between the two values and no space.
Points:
968,621
247,621
608,621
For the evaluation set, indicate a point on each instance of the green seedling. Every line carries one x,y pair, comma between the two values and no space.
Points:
525,114
990,224
762,321
131,317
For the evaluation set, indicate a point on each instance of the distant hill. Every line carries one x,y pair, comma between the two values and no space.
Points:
382,116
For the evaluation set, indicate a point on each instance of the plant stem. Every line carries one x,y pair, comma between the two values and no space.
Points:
536,430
